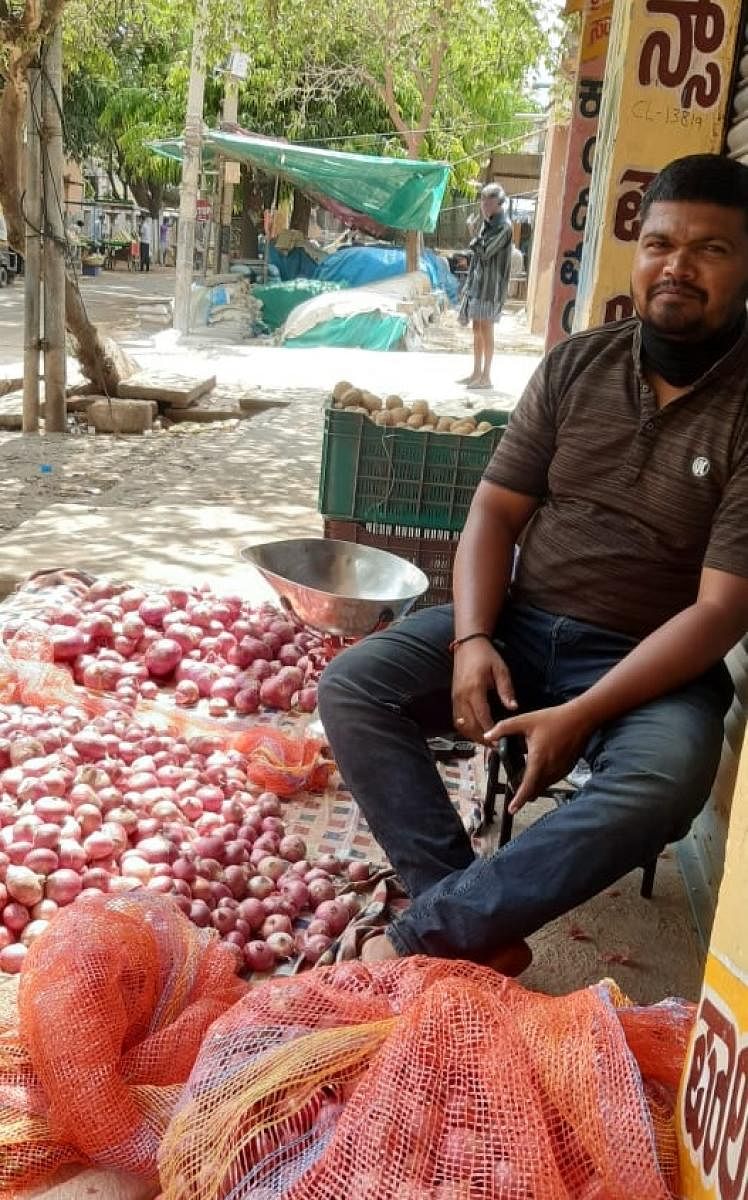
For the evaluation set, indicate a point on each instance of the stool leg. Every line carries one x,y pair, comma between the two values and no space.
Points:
492,787
648,878
507,818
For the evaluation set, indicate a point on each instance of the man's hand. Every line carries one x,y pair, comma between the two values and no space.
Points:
555,739
478,670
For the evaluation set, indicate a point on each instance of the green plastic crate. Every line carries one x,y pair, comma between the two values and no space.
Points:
401,476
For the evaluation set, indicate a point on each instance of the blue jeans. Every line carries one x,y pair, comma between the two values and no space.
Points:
652,771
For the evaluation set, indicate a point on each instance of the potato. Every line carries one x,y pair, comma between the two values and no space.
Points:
357,409
415,421
444,425
428,427
400,414
352,396
463,427
393,402
483,427
420,406
340,389
400,425
382,418
370,401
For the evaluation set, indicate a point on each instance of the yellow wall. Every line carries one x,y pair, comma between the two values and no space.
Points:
713,1104
666,92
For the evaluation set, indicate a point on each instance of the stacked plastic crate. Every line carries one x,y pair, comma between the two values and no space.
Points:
403,490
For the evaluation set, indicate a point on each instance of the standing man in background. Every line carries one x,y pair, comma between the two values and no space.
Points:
144,233
487,282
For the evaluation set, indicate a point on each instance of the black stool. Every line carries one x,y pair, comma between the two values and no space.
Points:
510,756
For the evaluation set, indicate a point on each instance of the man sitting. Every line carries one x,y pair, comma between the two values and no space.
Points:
623,476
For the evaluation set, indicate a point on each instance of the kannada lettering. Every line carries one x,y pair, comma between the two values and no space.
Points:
715,1103
701,29
626,225
618,308
589,99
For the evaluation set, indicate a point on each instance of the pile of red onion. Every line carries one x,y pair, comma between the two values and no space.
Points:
112,804
218,649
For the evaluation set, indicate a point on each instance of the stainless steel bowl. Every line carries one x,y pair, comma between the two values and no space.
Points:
338,587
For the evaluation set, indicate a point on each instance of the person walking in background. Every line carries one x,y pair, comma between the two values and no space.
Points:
144,233
487,282
163,235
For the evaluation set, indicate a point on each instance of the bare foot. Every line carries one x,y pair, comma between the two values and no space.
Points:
378,949
481,385
511,960
469,380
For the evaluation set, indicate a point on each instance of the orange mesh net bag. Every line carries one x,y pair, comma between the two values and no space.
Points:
113,1004
423,1079
29,675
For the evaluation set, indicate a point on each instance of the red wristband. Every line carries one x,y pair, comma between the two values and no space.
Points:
461,641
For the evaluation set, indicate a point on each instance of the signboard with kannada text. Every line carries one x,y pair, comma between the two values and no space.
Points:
712,1117
588,91
666,91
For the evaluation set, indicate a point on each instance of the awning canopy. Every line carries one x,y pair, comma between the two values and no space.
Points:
398,193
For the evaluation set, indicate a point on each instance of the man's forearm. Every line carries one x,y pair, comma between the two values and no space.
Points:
482,572
679,651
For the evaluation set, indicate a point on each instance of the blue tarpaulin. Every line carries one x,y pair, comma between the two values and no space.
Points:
355,266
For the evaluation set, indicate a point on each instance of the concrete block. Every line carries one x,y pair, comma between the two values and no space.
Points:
171,391
121,416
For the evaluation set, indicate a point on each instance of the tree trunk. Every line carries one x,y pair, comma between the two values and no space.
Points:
248,244
301,213
96,361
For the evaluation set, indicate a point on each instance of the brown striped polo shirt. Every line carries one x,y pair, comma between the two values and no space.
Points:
635,499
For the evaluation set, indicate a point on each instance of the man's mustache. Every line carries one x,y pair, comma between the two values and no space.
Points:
676,289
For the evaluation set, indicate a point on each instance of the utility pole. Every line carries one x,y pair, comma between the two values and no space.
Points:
193,137
33,258
54,240
231,173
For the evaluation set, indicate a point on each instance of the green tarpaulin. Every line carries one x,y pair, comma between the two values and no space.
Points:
400,193
279,299
363,331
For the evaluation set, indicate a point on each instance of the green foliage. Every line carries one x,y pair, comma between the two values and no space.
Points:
345,72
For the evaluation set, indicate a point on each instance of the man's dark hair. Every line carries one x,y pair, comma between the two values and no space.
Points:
702,179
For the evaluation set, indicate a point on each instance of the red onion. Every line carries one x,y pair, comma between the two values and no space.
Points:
200,914
41,861
24,885
358,872
272,867
153,609
15,916
45,910
334,914
269,804
71,855
253,912
12,958
320,890
98,845
223,920
163,657
260,887
314,946
296,891
258,956
187,693
281,944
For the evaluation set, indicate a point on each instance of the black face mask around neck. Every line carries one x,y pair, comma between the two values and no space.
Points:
681,363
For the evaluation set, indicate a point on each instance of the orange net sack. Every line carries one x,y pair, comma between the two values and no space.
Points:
423,1079
29,675
113,1004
